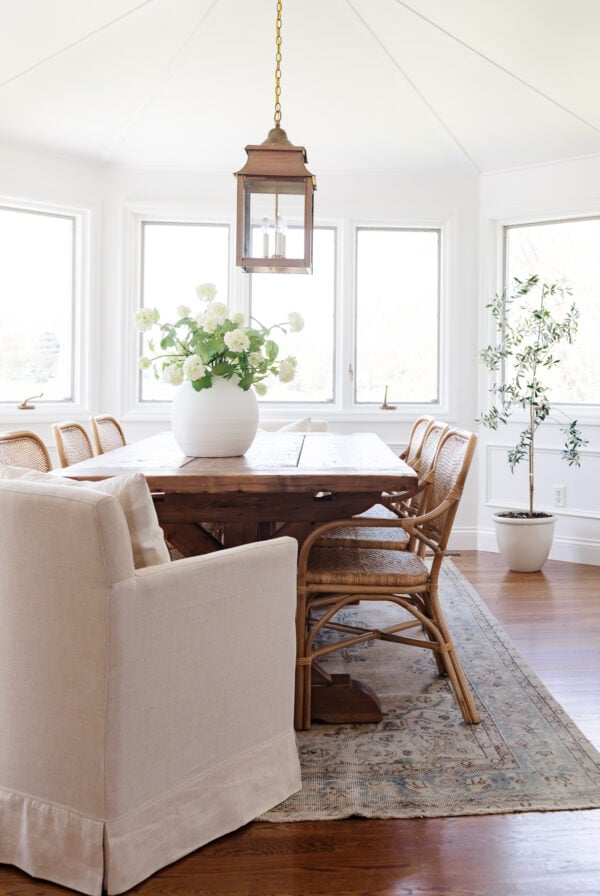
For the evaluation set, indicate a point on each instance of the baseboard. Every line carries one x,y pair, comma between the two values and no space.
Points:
466,539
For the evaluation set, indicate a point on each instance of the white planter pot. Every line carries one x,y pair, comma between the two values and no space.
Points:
524,543
216,422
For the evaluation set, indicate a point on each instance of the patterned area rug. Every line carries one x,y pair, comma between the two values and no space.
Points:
422,760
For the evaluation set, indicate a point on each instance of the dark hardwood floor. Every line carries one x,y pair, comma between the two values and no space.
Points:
554,619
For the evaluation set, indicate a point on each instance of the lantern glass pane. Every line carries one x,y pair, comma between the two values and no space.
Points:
276,221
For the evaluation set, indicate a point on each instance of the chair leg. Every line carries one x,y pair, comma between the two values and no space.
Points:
300,696
460,686
439,620
445,654
307,670
299,699
426,610
431,617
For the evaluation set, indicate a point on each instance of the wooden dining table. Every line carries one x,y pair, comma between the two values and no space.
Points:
285,484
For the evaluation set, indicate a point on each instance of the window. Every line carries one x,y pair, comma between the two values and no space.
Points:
272,299
397,315
565,250
392,340
176,258
37,304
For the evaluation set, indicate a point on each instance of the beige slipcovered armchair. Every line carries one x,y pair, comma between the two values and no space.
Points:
143,712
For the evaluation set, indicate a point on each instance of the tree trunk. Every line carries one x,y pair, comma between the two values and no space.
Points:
531,457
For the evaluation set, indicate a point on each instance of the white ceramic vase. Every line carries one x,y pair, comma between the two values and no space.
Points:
524,543
216,422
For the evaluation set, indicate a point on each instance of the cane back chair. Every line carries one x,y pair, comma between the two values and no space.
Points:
330,578
72,443
416,438
23,448
394,505
107,433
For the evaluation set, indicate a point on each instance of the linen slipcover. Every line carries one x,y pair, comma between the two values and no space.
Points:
145,712
131,490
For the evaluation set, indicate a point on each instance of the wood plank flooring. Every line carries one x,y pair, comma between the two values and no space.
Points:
553,617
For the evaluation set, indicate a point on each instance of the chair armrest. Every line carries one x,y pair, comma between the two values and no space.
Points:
399,502
410,524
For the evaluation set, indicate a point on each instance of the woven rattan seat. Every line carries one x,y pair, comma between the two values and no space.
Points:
376,537
72,443
107,433
366,566
330,578
377,512
396,505
23,448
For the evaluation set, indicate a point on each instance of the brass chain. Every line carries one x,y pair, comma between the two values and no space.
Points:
278,65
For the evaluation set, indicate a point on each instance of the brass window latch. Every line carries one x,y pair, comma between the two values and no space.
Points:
26,403
385,406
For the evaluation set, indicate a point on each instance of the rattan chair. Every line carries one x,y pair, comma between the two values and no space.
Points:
107,433
416,438
330,578
395,505
23,448
72,443
412,455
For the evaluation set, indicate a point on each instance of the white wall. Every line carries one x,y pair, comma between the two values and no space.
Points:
470,208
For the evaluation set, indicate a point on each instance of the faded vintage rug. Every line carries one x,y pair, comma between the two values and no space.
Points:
422,760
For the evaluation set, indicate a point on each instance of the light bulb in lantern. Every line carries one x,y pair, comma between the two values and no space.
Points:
265,237
280,235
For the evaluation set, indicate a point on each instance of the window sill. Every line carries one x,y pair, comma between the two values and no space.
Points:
155,411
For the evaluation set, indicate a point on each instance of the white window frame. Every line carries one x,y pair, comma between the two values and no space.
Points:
343,409
449,287
413,229
85,353
494,222
136,215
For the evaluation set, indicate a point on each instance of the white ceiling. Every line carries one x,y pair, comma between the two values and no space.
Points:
367,85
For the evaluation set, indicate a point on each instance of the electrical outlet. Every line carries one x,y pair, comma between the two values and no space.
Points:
560,495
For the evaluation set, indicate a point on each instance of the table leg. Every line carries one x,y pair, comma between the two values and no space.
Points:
340,699
190,539
236,533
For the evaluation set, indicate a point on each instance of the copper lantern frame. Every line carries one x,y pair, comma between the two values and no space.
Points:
276,168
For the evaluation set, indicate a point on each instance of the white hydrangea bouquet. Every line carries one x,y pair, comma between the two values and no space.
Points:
201,346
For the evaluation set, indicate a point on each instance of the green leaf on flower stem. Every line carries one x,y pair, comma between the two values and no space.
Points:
271,350
256,339
168,341
246,382
205,382
224,368
210,348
